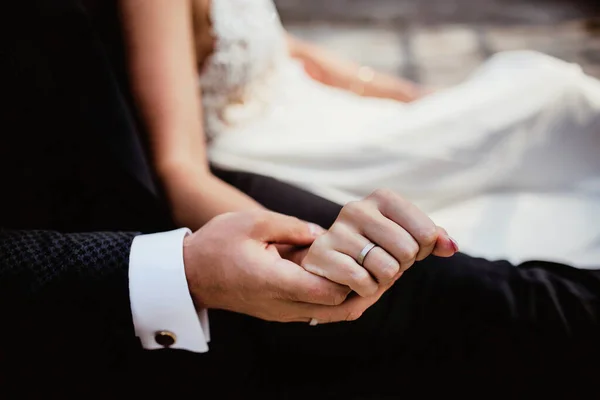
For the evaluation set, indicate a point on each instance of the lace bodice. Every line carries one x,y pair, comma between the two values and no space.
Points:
237,77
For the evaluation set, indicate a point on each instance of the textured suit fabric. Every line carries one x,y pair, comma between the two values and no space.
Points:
45,265
66,297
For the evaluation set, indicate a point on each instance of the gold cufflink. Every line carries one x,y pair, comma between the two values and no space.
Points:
165,338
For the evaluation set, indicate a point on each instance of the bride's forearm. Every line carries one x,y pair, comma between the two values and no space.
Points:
198,196
162,61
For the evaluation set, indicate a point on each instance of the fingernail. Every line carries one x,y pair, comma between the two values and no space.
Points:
454,244
315,229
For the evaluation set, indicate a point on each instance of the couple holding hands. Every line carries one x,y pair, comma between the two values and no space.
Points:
278,292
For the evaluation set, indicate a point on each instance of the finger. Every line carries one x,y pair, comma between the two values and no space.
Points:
395,240
343,269
272,227
294,254
380,264
293,283
409,217
351,310
445,246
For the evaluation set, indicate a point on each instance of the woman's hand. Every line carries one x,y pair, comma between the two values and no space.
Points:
401,232
335,71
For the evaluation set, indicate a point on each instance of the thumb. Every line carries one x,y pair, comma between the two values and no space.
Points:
445,246
283,229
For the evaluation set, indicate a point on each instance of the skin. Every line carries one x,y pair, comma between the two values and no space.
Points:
243,258
332,70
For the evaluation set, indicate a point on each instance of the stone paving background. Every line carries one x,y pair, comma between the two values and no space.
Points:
439,42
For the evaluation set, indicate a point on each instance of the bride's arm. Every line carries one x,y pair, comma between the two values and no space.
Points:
332,70
163,70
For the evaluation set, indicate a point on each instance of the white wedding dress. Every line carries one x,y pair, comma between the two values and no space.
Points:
508,161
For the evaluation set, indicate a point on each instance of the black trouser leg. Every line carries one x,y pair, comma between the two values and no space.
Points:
444,317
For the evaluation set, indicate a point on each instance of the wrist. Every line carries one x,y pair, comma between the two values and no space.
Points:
190,271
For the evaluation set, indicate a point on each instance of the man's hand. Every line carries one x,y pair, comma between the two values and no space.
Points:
232,264
401,232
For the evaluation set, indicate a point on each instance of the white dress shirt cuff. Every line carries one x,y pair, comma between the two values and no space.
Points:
159,294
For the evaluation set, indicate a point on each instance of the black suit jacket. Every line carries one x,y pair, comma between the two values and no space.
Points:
70,161
70,158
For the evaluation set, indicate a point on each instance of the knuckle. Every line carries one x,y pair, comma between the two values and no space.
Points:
390,270
428,235
338,296
354,210
322,241
350,207
383,195
407,264
259,221
291,226
409,252
337,229
320,246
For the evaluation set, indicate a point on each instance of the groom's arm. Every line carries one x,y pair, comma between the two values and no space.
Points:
61,294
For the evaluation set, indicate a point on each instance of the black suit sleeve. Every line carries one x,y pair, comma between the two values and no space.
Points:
66,297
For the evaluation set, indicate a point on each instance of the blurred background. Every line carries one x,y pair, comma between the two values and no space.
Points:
439,42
